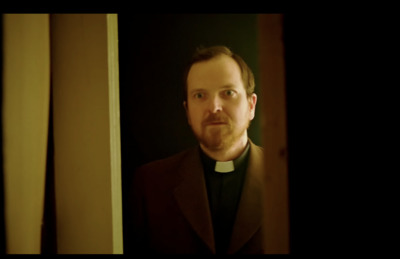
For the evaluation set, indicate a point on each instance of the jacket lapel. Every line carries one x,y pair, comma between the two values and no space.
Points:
191,195
249,215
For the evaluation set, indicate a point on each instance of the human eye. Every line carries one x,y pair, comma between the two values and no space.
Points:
198,95
230,93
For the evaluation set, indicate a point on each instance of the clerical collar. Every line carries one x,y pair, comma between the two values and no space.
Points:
227,166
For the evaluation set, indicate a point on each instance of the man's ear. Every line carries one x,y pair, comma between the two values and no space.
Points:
252,104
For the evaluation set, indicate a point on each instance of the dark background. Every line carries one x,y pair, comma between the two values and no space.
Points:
153,52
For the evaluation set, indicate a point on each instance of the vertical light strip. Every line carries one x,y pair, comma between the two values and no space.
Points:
26,93
115,136
86,170
274,132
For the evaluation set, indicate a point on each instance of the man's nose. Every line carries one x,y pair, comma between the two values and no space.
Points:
215,104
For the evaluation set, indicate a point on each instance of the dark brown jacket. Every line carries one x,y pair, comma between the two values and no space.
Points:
170,209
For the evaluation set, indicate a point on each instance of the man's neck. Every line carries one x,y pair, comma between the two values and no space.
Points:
228,153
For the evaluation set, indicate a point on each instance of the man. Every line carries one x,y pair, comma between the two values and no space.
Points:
208,199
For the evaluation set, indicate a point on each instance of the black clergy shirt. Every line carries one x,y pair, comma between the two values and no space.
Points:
224,191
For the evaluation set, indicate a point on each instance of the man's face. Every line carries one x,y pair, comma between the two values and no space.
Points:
218,108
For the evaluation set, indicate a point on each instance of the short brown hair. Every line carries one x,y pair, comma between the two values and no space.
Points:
204,54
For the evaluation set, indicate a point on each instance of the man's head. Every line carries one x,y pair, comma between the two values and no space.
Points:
204,54
219,98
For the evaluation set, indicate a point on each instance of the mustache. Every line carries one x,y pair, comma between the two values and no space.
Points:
215,118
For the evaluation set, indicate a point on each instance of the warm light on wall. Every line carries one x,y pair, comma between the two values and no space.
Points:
80,52
26,92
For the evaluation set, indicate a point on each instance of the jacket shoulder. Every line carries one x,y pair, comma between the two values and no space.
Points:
165,163
160,174
165,167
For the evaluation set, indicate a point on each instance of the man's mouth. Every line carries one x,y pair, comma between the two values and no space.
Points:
216,123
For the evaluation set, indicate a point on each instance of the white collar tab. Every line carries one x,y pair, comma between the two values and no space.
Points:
224,167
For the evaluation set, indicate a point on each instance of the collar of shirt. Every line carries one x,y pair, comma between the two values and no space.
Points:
224,167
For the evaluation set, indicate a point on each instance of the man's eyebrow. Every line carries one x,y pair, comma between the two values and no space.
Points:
198,90
227,86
